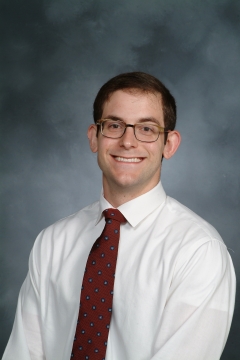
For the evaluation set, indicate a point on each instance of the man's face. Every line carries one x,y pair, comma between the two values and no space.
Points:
127,164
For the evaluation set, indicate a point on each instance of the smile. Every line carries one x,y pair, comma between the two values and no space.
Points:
129,160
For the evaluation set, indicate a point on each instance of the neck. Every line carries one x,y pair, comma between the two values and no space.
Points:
117,196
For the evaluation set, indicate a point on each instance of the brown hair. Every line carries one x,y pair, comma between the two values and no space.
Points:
144,82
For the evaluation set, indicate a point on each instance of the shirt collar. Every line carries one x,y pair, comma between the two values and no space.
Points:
139,208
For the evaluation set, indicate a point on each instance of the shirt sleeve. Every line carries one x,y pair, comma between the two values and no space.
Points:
25,342
198,312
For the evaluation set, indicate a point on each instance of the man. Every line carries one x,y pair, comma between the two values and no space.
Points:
174,280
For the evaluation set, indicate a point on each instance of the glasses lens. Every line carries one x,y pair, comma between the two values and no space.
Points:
146,132
113,129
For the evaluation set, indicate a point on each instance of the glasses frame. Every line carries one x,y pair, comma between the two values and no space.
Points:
100,123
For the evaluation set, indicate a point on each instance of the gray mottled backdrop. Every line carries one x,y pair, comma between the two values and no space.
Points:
55,54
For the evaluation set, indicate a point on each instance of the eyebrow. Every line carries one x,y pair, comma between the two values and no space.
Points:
147,119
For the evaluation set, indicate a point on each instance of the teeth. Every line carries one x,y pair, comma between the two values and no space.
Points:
118,158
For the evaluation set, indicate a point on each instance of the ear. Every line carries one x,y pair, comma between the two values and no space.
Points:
172,144
92,137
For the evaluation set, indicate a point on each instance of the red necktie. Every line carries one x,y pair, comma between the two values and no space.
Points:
95,311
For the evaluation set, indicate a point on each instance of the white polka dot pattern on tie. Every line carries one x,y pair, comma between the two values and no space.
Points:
97,292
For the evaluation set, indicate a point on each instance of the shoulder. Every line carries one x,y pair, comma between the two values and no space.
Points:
200,250
192,237
82,216
188,223
71,226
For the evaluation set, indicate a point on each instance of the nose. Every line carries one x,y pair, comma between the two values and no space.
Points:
129,140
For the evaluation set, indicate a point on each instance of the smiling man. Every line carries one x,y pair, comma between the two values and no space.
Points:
131,163
136,275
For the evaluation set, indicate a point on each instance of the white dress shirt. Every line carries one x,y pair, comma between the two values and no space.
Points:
174,285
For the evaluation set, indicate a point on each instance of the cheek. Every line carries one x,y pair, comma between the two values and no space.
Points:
103,150
156,152
106,146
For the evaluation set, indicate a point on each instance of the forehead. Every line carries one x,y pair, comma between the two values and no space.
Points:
134,102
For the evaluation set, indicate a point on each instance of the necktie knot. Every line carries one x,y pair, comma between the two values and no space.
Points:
114,214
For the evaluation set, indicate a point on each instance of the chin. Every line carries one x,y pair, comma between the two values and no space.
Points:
127,184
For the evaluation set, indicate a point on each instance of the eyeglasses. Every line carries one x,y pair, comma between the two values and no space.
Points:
145,131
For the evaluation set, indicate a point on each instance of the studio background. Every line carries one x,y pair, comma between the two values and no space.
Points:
55,55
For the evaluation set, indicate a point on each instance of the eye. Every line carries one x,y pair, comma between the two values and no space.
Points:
147,128
114,125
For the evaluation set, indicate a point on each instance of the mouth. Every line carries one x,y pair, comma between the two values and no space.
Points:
128,160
